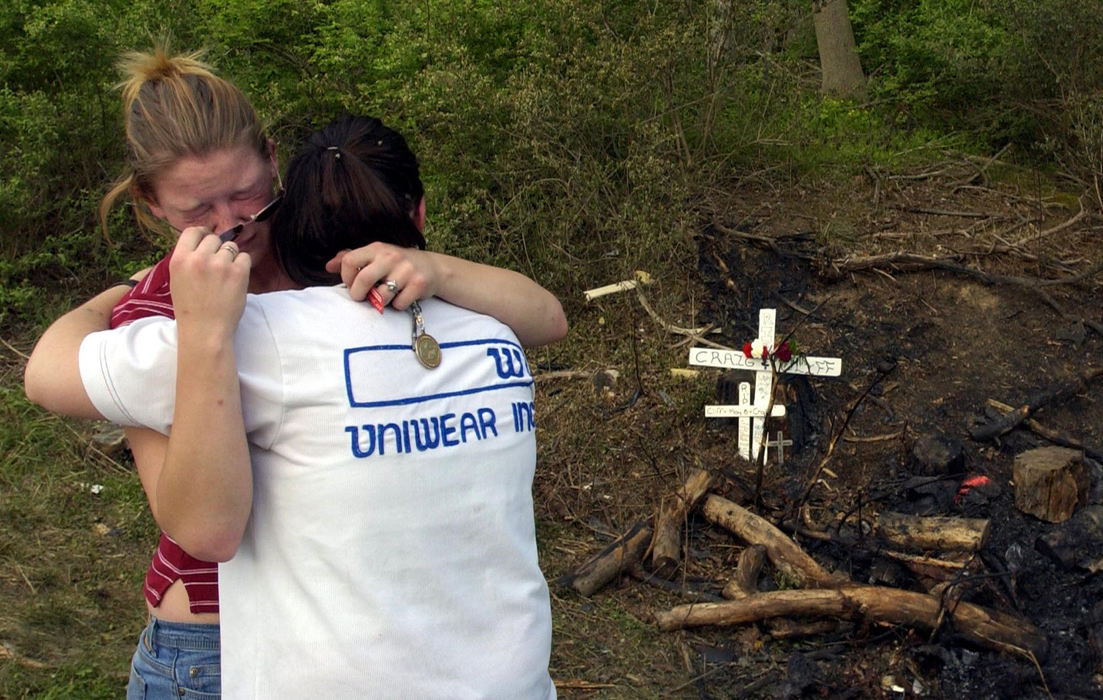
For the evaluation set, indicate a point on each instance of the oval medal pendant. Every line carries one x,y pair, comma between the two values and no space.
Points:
427,350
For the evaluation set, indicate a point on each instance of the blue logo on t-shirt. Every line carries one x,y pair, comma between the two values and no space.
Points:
506,368
474,367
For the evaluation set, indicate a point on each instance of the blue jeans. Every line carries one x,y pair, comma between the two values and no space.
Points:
175,660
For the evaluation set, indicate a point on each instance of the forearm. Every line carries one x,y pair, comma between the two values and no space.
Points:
534,313
204,492
52,376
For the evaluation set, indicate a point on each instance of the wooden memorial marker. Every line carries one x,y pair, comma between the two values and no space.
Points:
752,413
780,443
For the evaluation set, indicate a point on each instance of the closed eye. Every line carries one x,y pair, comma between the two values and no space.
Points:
197,213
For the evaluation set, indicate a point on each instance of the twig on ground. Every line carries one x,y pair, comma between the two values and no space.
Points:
668,327
948,212
875,438
1057,392
770,242
563,374
639,574
982,171
1059,227
6,653
15,350
1049,433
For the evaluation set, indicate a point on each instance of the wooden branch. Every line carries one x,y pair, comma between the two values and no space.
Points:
874,438
944,212
783,552
883,370
914,261
1059,227
766,241
987,628
982,171
562,374
1072,318
666,544
682,589
930,567
1057,392
668,327
745,581
24,356
1049,433
612,561
932,533
641,277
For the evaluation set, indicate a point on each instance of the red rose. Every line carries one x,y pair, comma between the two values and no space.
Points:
783,353
747,349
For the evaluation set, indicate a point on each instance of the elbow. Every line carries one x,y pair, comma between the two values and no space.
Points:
51,386
210,546
558,324
553,326
209,539
219,552
37,385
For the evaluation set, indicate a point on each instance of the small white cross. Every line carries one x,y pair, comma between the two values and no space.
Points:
780,443
752,413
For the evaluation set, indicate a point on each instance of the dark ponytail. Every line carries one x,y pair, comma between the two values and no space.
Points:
354,182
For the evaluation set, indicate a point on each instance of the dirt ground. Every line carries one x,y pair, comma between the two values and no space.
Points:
941,290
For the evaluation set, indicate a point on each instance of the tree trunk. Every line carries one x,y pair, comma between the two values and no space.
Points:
842,71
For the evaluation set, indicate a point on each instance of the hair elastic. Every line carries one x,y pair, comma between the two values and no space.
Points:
337,154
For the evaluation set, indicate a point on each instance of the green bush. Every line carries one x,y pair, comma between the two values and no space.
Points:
570,140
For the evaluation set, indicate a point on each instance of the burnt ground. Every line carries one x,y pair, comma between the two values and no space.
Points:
993,310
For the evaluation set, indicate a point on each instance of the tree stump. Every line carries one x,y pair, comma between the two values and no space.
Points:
1051,482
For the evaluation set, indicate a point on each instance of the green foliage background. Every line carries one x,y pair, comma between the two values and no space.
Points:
567,139
573,140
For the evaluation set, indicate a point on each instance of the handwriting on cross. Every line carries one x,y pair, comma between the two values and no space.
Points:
752,413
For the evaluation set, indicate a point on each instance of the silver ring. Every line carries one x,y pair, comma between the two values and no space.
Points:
230,246
392,286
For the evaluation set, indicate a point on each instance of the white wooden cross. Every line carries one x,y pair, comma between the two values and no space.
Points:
780,443
752,413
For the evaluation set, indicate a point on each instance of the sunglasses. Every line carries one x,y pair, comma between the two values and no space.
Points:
263,215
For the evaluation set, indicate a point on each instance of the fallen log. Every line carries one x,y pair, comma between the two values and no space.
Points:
986,628
932,533
783,552
666,544
745,581
618,557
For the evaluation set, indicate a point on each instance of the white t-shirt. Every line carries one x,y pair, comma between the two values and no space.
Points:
391,548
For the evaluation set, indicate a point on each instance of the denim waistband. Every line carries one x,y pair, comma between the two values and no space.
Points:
182,635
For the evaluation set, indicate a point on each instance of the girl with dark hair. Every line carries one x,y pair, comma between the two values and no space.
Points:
368,170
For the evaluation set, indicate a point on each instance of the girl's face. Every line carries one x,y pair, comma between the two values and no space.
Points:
219,190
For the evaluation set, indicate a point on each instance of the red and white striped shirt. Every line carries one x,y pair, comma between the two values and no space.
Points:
151,297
